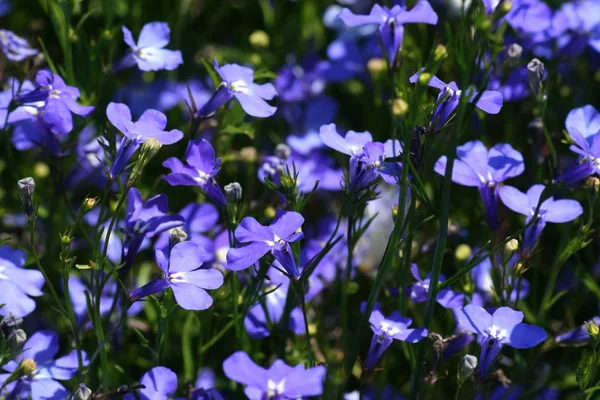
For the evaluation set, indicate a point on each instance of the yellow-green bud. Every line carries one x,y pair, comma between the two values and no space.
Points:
399,107
462,252
377,67
520,269
41,170
512,246
65,239
248,154
424,78
270,212
259,39
506,6
89,203
440,53
592,182
27,366
395,211
592,329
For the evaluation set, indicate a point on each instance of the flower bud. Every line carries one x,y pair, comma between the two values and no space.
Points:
248,154
535,74
399,107
233,192
17,338
511,246
377,67
82,392
26,189
506,6
27,366
177,235
424,78
11,321
593,329
467,367
593,183
41,170
462,252
282,151
259,39
514,52
89,203
149,149
440,53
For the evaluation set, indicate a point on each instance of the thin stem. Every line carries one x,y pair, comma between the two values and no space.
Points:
301,292
346,283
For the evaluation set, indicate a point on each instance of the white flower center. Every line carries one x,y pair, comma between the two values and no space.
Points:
388,329
202,177
239,86
275,388
497,333
2,275
177,277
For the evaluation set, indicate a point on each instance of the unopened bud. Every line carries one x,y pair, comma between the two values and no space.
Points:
514,52
26,189
283,151
65,239
248,154
395,211
270,212
12,321
89,203
592,329
177,235
259,39
535,74
440,53
82,392
424,78
512,246
149,149
233,192
520,269
399,107
17,338
27,366
377,67
468,365
592,182
506,6
462,252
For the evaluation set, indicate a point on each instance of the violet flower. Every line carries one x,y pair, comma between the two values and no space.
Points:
583,126
238,82
579,335
200,170
151,124
14,47
478,167
555,211
60,102
417,292
182,273
489,102
259,240
17,284
386,330
40,370
529,16
159,384
144,220
149,53
504,327
280,381
391,23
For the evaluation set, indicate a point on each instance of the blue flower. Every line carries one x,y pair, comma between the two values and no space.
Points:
17,284
14,47
159,384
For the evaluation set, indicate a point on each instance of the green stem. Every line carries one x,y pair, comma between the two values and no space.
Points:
346,283
302,293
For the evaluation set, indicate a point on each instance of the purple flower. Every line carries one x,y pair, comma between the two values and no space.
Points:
151,124
149,52
386,330
447,298
391,23
260,240
182,273
205,386
484,284
160,383
555,211
238,82
583,125
529,16
280,381
43,370
490,101
200,170
504,327
297,82
145,220
578,335
60,102
17,284
14,47
478,167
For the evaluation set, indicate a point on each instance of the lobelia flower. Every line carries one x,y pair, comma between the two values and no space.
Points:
529,16
17,284
555,211
151,124
583,126
299,82
182,273
478,167
504,327
484,284
259,240
447,298
145,220
14,47
159,384
490,101
200,170
391,23
280,381
238,82
60,100
367,158
40,370
149,53
385,331
579,335
205,386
